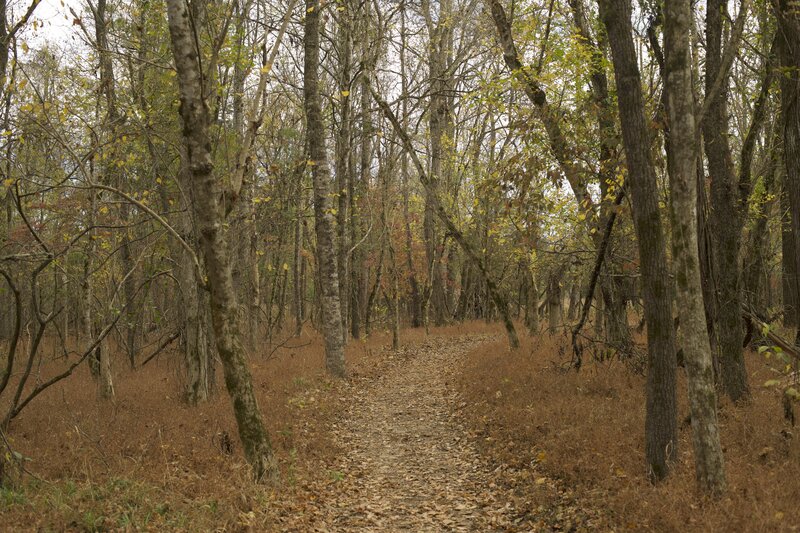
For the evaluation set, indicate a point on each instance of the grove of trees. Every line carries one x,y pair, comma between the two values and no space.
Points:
222,175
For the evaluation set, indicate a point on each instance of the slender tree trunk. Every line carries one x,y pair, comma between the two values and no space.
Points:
788,267
611,286
438,121
297,267
532,304
343,146
469,251
224,311
709,464
727,217
324,219
555,312
661,410
415,303
109,128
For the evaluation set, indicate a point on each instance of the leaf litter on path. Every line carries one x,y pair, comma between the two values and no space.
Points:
407,463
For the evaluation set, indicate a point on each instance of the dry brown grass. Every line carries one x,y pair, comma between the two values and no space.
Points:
149,461
589,430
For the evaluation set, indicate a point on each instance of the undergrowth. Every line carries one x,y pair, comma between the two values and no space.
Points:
587,430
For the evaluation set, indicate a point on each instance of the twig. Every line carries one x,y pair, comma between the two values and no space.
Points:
598,263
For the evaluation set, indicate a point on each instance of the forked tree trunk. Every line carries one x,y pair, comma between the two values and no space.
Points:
439,118
206,189
709,464
727,214
323,214
661,410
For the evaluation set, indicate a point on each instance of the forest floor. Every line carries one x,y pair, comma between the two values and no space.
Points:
453,432
410,464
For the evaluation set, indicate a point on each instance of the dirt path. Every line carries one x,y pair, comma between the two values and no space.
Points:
409,465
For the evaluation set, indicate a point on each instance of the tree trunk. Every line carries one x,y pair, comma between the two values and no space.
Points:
323,217
439,118
297,257
415,303
555,312
532,307
788,16
469,251
198,358
756,251
224,311
611,287
788,267
661,410
343,146
709,465
727,217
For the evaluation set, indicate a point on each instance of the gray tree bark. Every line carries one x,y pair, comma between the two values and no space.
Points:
224,310
728,199
661,418
323,213
709,464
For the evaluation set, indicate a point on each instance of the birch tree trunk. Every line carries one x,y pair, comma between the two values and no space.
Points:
224,310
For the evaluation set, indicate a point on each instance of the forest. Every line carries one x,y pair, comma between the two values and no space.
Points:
408,265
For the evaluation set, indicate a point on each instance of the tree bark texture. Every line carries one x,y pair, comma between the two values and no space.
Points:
323,208
709,464
726,216
788,36
661,418
224,310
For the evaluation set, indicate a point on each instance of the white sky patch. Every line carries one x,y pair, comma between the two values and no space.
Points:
54,22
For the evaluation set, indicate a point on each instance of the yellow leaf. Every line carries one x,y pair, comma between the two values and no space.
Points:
8,182
285,266
310,9
345,93
265,69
